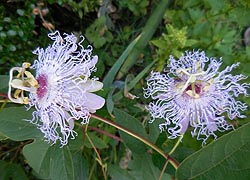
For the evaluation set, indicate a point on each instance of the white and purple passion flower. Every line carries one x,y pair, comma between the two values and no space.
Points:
193,92
61,90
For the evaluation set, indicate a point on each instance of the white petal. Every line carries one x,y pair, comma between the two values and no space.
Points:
18,84
94,102
71,124
94,60
91,85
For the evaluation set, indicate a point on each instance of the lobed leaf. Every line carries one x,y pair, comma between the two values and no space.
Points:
50,162
133,125
14,126
226,158
144,168
80,167
117,173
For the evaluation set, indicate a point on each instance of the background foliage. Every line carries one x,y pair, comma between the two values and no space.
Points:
131,38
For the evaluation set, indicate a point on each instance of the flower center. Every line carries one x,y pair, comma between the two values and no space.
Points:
197,88
42,86
194,90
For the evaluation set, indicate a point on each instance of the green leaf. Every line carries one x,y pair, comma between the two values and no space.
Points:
246,69
11,171
160,43
35,154
98,142
110,102
196,14
226,158
109,78
240,15
2,137
144,168
132,84
153,131
147,33
190,3
191,42
117,173
80,167
133,125
140,168
98,32
50,162
4,83
13,125
216,5
149,170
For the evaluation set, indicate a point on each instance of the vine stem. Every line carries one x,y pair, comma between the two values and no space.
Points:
4,95
15,148
171,152
172,161
163,169
5,100
98,156
105,133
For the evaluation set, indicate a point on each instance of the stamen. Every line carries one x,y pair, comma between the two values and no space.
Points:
191,79
21,84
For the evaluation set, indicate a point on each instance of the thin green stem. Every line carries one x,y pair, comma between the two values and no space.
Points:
84,133
15,148
163,169
171,152
4,103
4,100
98,156
100,131
176,145
92,169
173,162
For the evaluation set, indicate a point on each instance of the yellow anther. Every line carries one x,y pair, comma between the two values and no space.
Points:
180,85
192,94
18,75
25,100
26,65
19,97
205,88
31,81
17,93
209,83
21,84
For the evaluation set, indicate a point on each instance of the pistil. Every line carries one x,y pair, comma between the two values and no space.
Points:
42,86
